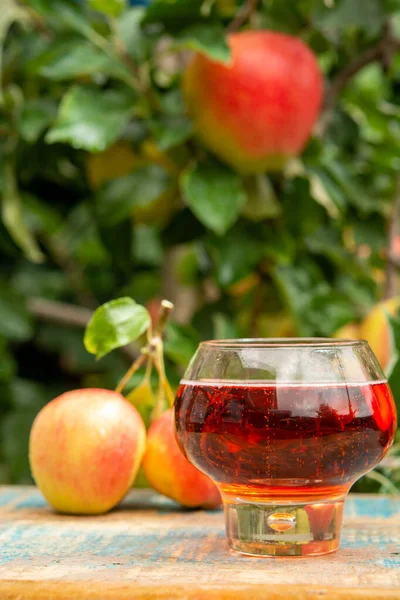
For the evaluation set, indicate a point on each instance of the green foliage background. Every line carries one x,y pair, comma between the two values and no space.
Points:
298,253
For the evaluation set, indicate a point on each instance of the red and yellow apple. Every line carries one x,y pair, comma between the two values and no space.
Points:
170,473
85,450
258,111
375,329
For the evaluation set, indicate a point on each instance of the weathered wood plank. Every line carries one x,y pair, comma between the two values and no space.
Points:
151,549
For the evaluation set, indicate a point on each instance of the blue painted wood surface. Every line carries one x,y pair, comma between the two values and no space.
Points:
150,541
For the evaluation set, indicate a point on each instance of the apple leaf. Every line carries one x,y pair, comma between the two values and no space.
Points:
81,121
36,115
368,15
11,12
173,13
206,39
170,131
72,59
115,324
122,196
215,194
132,35
13,215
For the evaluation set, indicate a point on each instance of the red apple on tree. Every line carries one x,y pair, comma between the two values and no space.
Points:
258,111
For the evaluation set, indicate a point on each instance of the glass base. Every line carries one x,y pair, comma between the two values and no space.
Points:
290,529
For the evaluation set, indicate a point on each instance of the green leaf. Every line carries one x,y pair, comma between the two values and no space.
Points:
132,35
10,13
74,58
208,39
74,17
37,114
318,308
235,255
215,194
115,324
173,14
11,210
170,131
91,119
119,198
15,320
327,241
112,8
357,195
363,14
262,202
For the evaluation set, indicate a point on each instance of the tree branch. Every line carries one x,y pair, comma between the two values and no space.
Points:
384,50
392,264
59,312
68,314
243,15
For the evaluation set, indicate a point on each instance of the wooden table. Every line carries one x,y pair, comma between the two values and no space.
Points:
150,549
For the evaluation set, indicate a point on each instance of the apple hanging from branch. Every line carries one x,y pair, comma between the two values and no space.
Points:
258,111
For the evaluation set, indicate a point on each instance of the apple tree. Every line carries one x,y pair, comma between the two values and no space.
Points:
113,182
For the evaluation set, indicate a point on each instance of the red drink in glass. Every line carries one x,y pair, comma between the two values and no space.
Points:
284,450
262,440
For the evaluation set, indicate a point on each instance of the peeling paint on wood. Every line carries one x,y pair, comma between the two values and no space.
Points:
150,548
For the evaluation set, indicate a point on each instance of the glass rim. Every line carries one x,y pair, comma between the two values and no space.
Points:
274,343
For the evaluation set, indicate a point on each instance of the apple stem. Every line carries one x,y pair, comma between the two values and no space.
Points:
131,371
163,377
149,368
152,352
164,389
165,310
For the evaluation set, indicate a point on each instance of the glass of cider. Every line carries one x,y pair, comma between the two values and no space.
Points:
284,427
